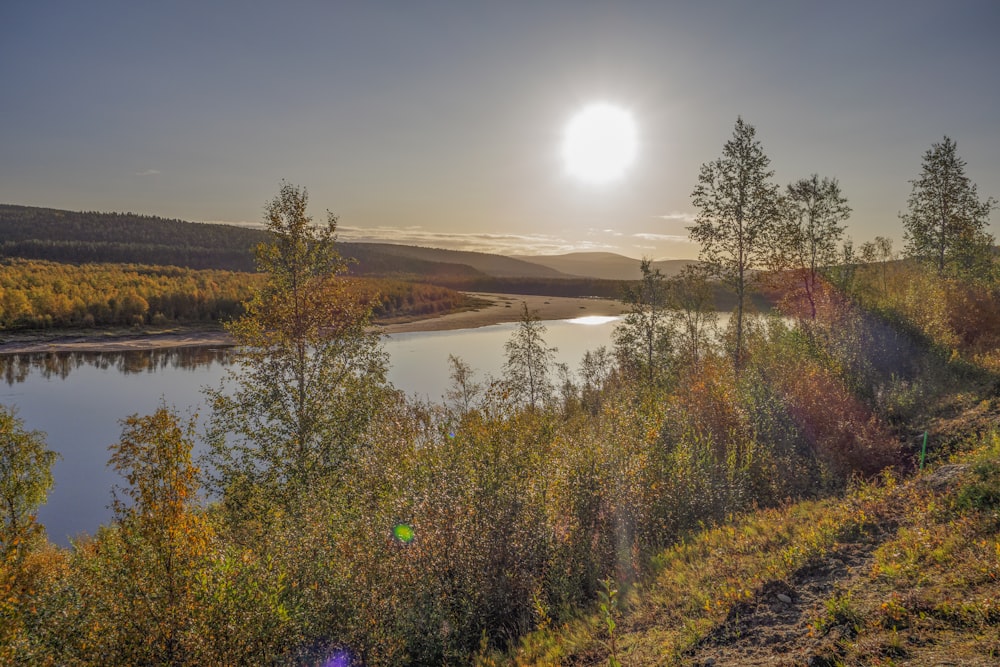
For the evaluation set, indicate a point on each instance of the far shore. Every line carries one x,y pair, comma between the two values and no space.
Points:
502,308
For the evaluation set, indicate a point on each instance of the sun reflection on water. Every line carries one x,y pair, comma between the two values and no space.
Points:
594,319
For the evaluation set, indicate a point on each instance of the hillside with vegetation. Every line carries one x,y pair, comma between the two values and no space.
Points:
816,486
125,238
42,295
603,265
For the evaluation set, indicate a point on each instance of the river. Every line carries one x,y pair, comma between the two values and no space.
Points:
79,398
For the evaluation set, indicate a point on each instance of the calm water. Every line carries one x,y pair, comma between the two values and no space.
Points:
78,399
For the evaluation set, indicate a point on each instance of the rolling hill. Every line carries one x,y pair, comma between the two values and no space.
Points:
603,265
30,232
497,266
35,233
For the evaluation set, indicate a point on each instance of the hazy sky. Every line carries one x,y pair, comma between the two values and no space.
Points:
439,123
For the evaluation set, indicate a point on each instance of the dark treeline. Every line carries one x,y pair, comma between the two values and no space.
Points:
87,236
128,238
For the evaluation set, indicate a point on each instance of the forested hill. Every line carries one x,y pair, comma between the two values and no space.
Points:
127,238
78,237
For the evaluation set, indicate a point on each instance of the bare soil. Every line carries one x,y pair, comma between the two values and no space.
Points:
775,628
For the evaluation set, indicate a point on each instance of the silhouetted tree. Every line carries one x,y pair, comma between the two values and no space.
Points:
879,251
946,222
739,209
464,389
692,300
643,339
529,361
810,231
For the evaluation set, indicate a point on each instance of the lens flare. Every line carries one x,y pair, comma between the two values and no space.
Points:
341,658
403,533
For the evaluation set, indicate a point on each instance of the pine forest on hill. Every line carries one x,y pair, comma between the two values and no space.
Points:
819,485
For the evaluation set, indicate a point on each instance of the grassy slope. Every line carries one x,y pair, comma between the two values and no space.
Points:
898,572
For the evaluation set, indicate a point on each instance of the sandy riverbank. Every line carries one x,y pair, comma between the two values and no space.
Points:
502,308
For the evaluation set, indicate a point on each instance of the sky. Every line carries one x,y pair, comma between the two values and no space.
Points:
440,123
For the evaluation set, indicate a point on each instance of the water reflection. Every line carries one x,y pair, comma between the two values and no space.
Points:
17,368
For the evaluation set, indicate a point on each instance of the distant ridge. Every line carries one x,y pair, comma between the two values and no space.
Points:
603,265
78,237
497,266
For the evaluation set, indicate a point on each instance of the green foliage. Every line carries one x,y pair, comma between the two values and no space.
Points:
841,610
310,370
25,480
982,490
608,599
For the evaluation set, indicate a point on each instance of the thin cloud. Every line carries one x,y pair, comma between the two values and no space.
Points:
521,244
673,238
415,235
147,172
677,216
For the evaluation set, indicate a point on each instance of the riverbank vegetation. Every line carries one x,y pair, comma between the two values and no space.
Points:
49,295
643,508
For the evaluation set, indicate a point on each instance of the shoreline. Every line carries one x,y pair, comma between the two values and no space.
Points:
503,308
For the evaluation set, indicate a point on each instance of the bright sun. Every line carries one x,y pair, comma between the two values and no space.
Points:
599,143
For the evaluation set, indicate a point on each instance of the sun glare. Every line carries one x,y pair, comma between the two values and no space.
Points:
599,143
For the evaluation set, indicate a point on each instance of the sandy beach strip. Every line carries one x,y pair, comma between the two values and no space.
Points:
502,308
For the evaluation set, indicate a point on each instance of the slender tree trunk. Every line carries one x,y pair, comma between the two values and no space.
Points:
941,244
810,286
738,352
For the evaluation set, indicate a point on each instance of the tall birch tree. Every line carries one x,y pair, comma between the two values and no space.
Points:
946,221
738,212
529,361
811,230
309,367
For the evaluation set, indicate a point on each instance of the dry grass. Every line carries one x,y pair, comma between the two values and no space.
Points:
922,583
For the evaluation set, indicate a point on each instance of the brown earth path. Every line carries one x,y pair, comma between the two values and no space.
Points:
775,628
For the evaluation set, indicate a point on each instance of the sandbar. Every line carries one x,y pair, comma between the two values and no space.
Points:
502,308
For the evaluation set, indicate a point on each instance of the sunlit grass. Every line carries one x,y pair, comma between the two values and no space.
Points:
934,581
